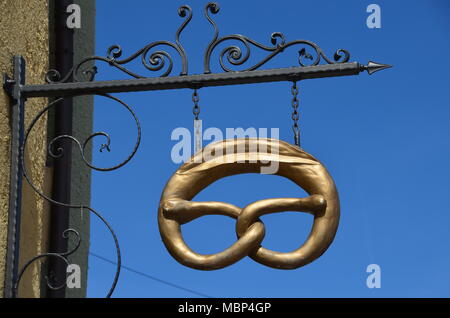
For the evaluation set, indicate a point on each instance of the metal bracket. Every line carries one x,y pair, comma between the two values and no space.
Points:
8,85
79,81
12,86
197,80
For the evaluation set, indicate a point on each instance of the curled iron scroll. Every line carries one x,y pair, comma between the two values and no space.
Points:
155,56
152,61
237,56
58,153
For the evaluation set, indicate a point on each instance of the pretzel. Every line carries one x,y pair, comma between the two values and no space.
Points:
237,156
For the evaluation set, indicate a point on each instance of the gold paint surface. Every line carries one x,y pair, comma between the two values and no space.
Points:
237,156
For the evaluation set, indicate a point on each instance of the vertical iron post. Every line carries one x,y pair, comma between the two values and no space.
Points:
16,173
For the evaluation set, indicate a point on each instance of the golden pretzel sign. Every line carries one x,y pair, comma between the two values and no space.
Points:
176,207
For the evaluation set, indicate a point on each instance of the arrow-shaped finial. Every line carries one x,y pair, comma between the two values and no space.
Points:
373,67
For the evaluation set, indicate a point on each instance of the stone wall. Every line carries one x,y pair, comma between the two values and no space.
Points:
24,30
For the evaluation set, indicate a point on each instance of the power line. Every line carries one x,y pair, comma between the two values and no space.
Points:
151,277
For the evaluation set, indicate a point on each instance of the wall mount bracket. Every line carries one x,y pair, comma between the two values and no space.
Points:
80,81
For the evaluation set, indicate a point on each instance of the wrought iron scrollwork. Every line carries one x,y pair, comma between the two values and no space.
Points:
58,153
61,256
155,57
234,55
152,61
237,56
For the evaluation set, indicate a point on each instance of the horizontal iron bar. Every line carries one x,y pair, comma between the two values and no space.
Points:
192,81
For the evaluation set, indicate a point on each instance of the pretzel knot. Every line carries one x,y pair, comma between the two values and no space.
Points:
236,156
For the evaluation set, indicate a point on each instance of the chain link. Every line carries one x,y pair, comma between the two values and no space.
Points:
196,109
295,115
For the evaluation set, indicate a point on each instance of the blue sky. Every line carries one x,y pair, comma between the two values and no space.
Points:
384,138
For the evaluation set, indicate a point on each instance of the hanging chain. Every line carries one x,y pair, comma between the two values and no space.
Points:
196,109
197,123
295,114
